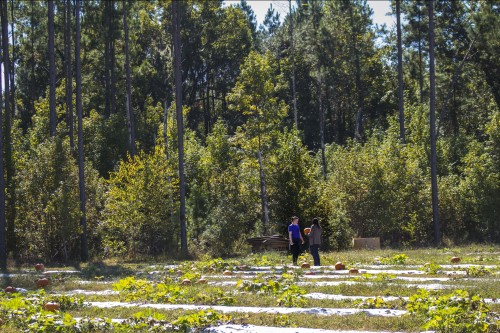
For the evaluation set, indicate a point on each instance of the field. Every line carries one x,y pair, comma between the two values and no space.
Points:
377,291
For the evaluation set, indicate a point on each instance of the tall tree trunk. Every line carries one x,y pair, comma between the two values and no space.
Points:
3,224
9,163
128,94
52,70
321,121
169,179
112,91
107,44
420,57
400,75
432,116
359,130
263,193
180,123
292,55
69,74
84,253
12,69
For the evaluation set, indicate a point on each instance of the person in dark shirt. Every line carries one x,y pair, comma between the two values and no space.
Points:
295,238
315,241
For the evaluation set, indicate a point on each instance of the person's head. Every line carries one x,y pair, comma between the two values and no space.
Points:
295,220
316,222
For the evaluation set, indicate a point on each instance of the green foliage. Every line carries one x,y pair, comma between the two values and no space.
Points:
397,259
375,303
287,293
432,268
171,292
199,320
477,271
282,320
457,312
380,277
139,212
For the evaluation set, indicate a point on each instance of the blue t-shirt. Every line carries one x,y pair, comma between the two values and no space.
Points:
295,229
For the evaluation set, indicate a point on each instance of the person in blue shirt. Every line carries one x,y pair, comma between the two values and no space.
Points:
295,238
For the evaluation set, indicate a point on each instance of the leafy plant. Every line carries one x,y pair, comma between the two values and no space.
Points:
397,259
381,277
376,303
477,271
199,320
457,312
431,268
282,320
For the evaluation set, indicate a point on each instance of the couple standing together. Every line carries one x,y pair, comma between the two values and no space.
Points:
296,239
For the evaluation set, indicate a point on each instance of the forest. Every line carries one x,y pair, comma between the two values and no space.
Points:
137,129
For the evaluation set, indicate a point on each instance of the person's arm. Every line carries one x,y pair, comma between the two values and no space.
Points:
290,236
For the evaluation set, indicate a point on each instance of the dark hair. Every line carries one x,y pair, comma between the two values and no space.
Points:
316,222
294,218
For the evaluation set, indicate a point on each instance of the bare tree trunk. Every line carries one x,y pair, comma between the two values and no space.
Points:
52,70
112,104
107,42
180,123
69,75
3,222
292,54
9,163
358,129
79,110
432,116
128,104
263,193
400,75
12,69
321,121
420,58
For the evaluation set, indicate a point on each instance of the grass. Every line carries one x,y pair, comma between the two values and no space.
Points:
99,276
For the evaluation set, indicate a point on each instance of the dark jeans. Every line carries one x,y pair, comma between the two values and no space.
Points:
315,253
295,249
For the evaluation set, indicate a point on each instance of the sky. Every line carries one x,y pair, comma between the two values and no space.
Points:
380,8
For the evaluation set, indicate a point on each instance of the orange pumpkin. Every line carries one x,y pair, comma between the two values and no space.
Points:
10,289
455,260
51,306
339,266
307,231
305,265
186,282
227,273
39,267
353,271
41,283
202,281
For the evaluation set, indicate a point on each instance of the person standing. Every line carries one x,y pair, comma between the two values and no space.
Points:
315,241
295,238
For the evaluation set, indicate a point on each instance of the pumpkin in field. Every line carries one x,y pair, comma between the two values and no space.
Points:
339,266
202,281
305,265
41,283
186,282
51,306
353,271
455,260
307,231
227,273
39,267
10,289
